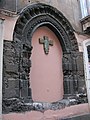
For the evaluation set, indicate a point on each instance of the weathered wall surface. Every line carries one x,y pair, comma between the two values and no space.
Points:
16,54
69,8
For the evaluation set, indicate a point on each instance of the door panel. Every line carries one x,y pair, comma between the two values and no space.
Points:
46,77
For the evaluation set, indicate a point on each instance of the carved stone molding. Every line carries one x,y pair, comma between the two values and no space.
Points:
17,61
40,14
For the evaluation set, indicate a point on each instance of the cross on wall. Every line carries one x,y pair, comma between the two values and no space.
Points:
46,43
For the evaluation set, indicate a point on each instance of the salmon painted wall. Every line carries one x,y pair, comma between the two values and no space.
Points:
46,77
9,25
49,114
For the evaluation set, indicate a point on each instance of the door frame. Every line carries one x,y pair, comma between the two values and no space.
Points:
86,43
31,18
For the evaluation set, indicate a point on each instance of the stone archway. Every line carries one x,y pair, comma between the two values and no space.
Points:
31,18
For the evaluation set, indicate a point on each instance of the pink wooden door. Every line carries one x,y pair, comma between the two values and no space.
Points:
46,77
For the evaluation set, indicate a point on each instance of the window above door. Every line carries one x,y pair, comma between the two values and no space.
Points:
85,7
85,18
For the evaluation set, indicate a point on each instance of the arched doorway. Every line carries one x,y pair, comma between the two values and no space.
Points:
46,72
33,17
30,20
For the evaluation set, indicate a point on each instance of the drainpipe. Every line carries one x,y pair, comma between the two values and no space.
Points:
1,63
86,68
